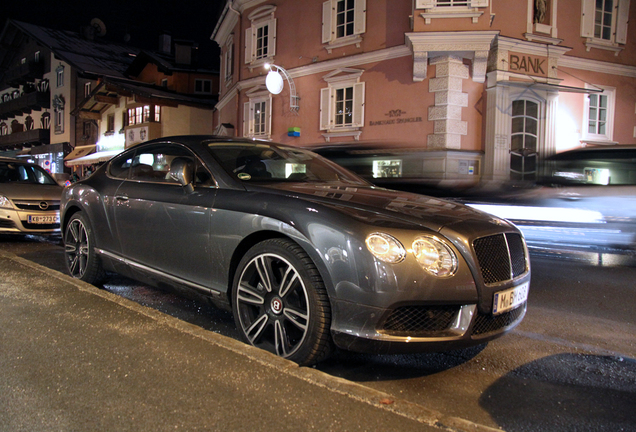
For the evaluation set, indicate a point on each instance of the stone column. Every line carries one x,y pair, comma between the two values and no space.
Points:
497,145
449,100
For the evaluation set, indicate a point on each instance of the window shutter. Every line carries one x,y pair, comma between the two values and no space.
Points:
478,3
268,112
425,4
359,16
247,120
587,18
358,104
327,9
271,39
325,108
621,21
249,55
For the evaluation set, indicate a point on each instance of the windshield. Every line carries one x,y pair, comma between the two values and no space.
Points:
267,163
23,173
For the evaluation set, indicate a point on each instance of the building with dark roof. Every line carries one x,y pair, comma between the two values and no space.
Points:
66,94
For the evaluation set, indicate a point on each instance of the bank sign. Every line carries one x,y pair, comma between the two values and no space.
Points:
528,64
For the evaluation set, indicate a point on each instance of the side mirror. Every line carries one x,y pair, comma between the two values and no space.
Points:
182,172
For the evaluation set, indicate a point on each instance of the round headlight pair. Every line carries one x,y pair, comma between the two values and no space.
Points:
435,256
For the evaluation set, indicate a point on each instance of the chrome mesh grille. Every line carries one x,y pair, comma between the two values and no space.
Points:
501,257
420,320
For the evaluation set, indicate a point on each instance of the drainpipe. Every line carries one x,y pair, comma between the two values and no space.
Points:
238,69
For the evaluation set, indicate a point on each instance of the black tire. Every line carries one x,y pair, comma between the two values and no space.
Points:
81,259
280,303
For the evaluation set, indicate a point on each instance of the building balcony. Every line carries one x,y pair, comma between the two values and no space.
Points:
25,104
25,73
28,138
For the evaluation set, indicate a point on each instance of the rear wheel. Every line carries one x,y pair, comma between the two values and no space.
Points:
280,303
81,259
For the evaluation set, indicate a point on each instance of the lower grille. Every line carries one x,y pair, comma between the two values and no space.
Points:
438,321
40,226
420,320
485,324
501,257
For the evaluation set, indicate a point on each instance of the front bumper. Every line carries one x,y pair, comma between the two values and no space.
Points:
424,328
17,222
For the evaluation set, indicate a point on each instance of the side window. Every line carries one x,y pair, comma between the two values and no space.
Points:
161,164
120,166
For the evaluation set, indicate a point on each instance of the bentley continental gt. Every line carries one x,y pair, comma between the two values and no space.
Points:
307,255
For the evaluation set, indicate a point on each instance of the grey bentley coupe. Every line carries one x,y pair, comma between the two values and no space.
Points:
306,255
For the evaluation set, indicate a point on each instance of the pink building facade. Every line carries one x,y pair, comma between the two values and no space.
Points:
482,89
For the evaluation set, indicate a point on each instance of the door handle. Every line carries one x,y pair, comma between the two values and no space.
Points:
121,198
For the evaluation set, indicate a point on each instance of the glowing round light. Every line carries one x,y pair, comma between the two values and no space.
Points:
274,82
435,256
385,247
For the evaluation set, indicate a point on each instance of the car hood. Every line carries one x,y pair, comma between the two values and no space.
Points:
30,191
377,205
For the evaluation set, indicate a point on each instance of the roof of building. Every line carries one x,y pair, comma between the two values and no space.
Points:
92,56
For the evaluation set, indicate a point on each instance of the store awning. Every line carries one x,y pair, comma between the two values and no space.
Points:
80,151
102,156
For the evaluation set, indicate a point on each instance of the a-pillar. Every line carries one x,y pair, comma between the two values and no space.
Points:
449,100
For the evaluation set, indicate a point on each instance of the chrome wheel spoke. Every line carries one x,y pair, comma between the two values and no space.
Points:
280,339
249,295
263,267
288,281
298,318
256,329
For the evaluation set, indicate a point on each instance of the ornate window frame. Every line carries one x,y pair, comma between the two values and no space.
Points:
330,23
261,18
442,9
259,97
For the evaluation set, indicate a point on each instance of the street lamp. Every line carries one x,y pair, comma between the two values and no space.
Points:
274,83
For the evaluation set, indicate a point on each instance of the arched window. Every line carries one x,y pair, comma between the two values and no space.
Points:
524,140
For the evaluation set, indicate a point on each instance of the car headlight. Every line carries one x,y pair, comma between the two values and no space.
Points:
435,256
385,248
4,202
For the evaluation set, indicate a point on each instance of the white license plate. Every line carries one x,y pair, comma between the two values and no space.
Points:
510,298
44,219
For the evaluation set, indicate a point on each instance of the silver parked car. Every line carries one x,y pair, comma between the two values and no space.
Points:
305,254
29,199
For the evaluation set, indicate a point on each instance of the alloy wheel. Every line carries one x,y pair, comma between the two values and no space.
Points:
273,305
76,248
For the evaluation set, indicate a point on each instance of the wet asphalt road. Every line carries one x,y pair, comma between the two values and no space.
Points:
570,366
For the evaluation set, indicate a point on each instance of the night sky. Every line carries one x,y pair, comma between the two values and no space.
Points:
140,21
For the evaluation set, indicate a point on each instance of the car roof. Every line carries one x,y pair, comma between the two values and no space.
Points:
15,160
605,152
